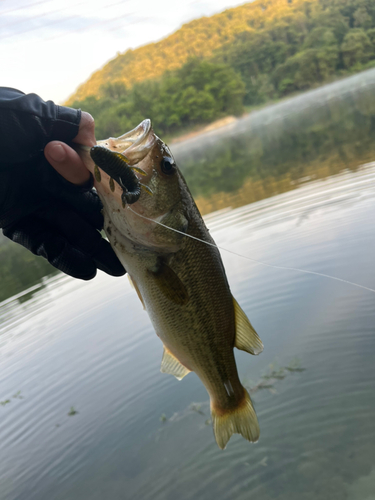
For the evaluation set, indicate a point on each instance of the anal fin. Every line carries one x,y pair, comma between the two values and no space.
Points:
171,365
246,337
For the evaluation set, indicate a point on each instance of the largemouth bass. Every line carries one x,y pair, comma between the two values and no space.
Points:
150,219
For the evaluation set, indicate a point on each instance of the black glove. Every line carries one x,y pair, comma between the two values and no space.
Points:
38,208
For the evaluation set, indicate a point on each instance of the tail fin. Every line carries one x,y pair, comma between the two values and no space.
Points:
241,420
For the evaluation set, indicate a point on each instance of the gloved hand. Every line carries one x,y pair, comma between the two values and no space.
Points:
47,214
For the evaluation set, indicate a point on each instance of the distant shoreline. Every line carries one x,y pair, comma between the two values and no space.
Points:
230,119
222,122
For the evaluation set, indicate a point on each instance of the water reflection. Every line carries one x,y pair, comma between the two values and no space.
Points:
269,151
20,270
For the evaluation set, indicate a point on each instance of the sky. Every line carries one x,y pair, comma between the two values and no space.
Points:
51,46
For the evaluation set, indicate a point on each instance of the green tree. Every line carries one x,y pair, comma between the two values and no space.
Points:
371,35
306,67
320,37
356,48
332,18
362,19
199,92
113,90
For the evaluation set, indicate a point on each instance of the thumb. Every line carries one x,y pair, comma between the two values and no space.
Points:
86,132
66,162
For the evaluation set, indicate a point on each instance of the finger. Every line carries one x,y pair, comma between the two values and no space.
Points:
86,133
107,261
66,162
82,236
86,204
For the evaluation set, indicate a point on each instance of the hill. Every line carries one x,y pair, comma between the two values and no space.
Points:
198,38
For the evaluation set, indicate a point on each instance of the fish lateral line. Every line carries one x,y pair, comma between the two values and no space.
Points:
256,261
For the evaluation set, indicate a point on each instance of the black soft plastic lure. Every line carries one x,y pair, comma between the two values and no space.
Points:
114,164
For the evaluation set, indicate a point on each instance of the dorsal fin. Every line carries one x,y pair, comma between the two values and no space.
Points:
246,337
171,365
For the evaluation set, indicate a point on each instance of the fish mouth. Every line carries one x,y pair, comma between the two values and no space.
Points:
117,157
135,145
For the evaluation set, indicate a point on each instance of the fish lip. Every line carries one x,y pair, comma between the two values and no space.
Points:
135,145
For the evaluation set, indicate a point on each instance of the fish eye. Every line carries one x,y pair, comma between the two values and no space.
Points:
168,165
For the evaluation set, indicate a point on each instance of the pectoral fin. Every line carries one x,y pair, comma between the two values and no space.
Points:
171,365
170,284
246,337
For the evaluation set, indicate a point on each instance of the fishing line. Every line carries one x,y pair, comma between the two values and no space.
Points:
286,268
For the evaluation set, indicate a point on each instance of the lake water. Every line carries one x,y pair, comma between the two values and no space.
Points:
95,418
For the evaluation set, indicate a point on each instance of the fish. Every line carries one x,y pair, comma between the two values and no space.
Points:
157,232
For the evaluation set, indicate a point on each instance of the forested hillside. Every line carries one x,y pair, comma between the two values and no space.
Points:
215,66
199,38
